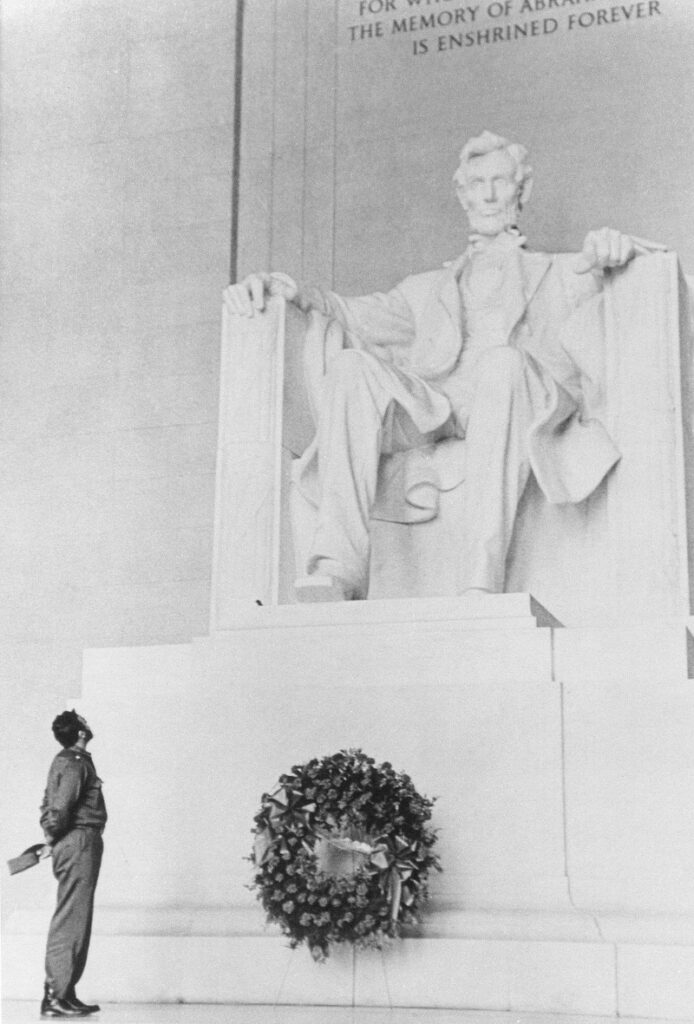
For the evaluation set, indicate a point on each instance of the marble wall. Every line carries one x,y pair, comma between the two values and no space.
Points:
351,140
117,132
116,181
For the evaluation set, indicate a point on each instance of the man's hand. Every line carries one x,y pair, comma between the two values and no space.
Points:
607,248
45,851
249,296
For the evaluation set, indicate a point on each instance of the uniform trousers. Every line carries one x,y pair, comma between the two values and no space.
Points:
369,408
76,863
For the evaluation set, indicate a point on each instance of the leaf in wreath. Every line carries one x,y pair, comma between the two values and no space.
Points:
277,807
262,846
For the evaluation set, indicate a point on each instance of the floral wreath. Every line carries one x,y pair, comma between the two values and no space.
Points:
342,852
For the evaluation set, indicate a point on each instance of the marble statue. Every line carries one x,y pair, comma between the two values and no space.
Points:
487,349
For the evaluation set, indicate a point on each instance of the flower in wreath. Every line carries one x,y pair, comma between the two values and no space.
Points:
343,851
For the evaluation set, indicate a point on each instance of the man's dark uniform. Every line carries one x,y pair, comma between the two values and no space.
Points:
73,815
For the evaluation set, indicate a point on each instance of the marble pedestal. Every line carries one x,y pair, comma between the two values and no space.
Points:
561,760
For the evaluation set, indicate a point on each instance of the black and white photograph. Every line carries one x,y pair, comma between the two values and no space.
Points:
347,511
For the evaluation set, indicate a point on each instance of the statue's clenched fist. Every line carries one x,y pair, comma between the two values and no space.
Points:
606,248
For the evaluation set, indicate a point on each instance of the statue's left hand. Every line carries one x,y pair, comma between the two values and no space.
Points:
607,248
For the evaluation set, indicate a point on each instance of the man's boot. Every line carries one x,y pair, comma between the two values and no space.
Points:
72,1000
53,1006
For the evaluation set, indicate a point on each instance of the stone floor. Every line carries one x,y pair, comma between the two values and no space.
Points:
159,1013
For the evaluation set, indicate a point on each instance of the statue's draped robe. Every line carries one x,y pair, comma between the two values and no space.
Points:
551,313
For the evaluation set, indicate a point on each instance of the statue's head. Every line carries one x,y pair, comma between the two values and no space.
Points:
493,182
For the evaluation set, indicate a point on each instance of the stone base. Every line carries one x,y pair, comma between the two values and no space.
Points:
527,962
561,760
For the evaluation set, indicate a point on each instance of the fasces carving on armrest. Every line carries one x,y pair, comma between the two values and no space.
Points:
642,357
251,373
302,332
647,350
247,506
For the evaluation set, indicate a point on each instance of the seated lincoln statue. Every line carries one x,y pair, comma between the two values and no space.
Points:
482,349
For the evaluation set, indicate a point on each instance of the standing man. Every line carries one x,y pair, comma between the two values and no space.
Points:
73,816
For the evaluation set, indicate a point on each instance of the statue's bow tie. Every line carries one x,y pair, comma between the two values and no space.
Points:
499,247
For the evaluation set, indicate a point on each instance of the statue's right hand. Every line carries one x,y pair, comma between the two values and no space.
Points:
249,296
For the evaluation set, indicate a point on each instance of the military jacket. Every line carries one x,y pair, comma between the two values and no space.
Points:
73,796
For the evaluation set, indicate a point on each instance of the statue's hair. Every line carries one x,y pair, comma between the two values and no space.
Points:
488,142
66,728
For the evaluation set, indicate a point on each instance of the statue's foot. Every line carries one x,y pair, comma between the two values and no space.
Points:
476,592
310,589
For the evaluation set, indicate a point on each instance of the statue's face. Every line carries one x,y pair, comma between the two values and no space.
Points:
490,194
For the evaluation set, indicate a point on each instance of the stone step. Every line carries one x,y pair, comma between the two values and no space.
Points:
592,977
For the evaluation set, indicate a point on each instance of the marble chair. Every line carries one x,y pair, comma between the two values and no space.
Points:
621,555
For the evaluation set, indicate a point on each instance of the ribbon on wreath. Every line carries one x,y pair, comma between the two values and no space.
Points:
393,865
397,871
287,807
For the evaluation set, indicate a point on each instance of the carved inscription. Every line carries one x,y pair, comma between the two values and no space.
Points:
441,26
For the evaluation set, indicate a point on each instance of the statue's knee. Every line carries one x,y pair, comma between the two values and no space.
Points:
499,366
349,368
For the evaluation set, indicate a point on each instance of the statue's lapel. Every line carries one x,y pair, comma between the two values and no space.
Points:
524,274
449,294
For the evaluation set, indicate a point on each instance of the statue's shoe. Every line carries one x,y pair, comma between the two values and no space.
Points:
315,588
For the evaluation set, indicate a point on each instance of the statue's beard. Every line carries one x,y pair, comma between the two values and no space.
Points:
494,223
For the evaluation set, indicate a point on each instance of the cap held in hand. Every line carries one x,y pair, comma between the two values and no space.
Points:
28,859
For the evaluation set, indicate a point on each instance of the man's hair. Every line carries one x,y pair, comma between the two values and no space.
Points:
66,728
488,142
